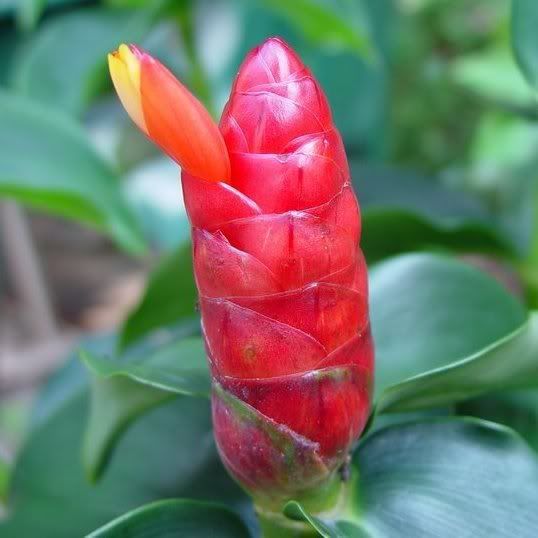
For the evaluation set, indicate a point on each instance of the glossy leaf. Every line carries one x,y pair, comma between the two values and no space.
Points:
507,364
524,38
324,24
388,232
175,517
388,187
176,367
46,162
170,297
428,312
439,478
70,84
122,391
52,497
404,211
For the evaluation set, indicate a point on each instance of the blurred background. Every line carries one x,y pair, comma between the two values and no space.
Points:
439,123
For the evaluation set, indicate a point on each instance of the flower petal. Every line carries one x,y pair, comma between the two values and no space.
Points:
124,69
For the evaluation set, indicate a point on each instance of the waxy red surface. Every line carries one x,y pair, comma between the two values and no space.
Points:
282,281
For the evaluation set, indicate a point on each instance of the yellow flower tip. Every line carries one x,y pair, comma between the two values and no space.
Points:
124,66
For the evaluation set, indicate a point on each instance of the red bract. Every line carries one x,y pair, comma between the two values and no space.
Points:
282,282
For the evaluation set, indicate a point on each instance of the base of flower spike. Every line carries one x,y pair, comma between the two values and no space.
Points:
334,500
272,462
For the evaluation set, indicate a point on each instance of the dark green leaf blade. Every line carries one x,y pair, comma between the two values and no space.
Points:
525,39
47,162
122,391
178,367
170,297
173,518
403,211
443,478
388,187
508,364
115,404
391,231
168,453
428,311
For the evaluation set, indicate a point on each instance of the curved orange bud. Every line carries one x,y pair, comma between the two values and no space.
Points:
169,114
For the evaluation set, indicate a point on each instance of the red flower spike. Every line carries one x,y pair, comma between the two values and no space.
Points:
282,282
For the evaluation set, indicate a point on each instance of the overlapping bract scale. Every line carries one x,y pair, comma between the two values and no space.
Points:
282,282
325,406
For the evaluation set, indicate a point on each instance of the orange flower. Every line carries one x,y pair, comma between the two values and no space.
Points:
169,114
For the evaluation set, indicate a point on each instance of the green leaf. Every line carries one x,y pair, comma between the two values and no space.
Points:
178,367
154,193
28,13
403,211
327,25
46,73
492,75
440,478
68,381
173,518
123,391
170,297
46,162
507,364
503,144
169,452
517,409
388,232
524,38
115,404
428,312
388,187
